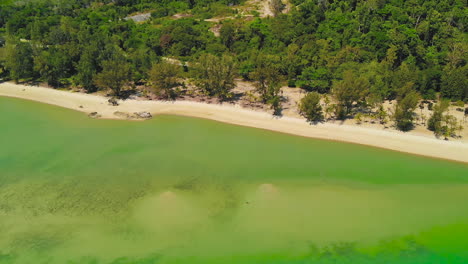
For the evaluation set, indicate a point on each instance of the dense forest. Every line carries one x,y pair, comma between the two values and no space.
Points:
360,52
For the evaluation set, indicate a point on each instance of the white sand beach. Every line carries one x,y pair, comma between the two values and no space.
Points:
419,144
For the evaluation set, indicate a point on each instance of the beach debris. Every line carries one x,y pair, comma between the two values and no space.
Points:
144,115
94,115
80,106
113,102
123,115
136,115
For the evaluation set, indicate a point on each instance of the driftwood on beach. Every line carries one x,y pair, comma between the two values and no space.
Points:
134,116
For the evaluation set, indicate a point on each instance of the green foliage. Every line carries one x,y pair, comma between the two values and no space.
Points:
52,65
164,77
434,122
315,79
455,83
459,103
228,34
407,102
406,73
87,67
115,74
19,60
386,43
2,62
382,115
215,75
183,37
443,124
348,91
267,79
310,107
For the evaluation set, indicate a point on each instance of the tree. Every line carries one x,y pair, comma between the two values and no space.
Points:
52,65
2,64
390,43
451,126
310,107
266,77
87,68
164,77
406,73
315,79
443,124
455,83
228,33
267,80
215,75
448,127
329,107
141,60
382,114
115,74
348,91
407,102
292,63
2,69
19,60
434,122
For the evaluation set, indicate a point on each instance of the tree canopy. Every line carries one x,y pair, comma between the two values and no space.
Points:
114,76
357,51
310,107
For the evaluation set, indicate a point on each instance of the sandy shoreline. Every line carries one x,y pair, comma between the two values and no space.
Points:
414,144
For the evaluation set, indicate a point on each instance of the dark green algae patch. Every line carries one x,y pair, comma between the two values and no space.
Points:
185,190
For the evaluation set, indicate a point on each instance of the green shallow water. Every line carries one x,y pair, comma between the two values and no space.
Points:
185,190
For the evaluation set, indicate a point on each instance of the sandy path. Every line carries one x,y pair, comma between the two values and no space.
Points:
414,144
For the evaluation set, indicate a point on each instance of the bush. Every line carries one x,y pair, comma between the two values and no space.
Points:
430,95
404,111
160,12
310,107
245,69
358,117
313,79
434,122
164,79
430,106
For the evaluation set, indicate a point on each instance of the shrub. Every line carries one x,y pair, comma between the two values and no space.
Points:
310,107
430,106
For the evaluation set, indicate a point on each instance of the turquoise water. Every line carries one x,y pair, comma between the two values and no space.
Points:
185,190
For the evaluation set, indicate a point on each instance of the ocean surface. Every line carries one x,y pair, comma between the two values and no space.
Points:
182,190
